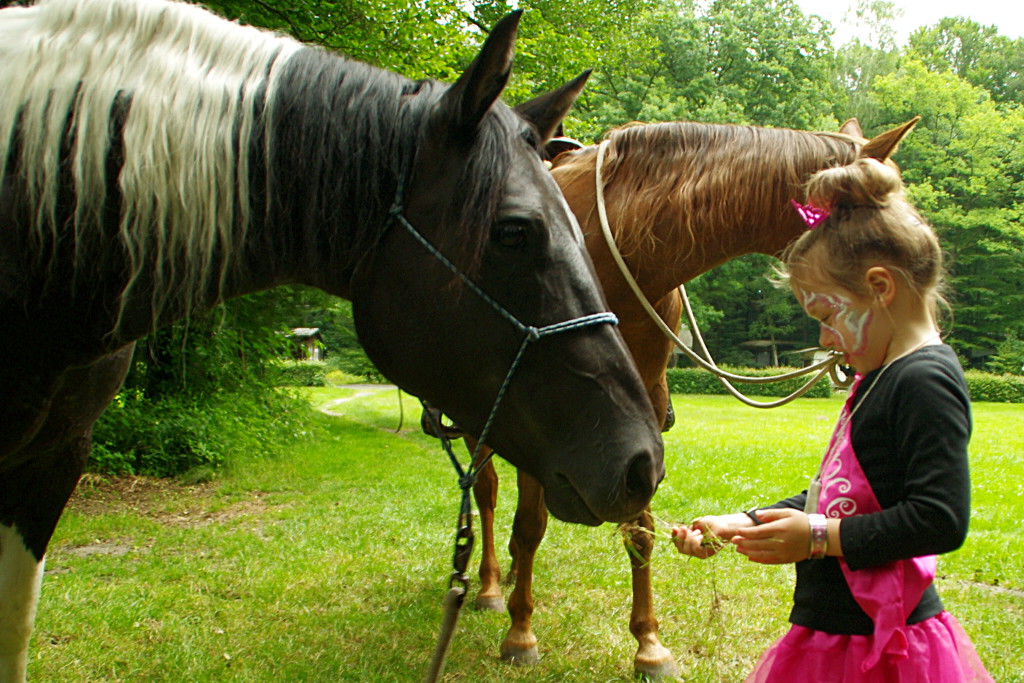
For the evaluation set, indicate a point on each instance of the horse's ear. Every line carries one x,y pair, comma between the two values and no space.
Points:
546,111
559,144
883,146
468,100
851,127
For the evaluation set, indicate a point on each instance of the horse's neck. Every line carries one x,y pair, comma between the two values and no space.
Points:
320,176
733,216
670,257
714,243
330,172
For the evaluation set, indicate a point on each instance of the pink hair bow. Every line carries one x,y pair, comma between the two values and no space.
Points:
811,215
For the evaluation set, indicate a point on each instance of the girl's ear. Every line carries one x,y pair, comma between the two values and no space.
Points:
881,284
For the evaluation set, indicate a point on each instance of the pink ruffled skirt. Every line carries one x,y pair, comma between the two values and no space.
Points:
939,652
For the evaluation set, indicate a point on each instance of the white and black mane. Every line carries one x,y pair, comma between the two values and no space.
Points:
190,133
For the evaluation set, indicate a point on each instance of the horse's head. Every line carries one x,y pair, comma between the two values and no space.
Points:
574,413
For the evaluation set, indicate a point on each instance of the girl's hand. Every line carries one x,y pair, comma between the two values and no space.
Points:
706,535
692,542
784,537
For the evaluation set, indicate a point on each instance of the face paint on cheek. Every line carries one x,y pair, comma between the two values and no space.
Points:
857,324
851,326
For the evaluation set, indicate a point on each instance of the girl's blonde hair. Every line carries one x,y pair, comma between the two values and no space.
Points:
870,223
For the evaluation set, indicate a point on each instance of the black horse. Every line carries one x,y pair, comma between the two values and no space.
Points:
156,160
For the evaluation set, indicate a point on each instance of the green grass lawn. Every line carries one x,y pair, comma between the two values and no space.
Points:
328,562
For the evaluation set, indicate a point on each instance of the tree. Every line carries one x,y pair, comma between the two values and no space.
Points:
859,63
975,53
229,348
877,17
747,306
419,39
774,320
1009,356
773,59
737,61
965,171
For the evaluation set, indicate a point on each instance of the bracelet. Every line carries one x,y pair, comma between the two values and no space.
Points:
752,513
819,536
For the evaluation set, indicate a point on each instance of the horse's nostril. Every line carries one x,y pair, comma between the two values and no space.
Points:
642,478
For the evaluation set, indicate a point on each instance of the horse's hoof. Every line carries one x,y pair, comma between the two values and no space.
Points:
520,656
657,671
489,603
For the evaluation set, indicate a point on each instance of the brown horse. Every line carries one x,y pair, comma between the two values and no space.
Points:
681,198
155,160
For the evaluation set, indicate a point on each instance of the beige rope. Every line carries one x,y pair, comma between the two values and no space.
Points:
827,366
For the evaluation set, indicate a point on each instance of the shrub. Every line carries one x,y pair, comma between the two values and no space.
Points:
337,378
353,361
985,386
307,373
698,381
103,459
175,435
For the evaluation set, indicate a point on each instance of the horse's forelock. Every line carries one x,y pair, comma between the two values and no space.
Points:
484,181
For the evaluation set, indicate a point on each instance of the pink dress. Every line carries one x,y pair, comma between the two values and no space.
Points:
936,650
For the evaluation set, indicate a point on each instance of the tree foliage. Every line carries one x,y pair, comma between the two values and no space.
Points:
975,53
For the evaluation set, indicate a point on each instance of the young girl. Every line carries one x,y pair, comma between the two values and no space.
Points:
893,489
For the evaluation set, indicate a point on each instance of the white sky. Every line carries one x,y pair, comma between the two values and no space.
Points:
1007,15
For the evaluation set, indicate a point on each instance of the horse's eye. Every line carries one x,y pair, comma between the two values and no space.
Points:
511,235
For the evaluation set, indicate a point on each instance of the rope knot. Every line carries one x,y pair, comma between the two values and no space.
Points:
532,333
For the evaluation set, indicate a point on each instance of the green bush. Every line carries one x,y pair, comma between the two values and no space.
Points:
307,373
104,460
985,386
353,361
337,378
175,435
698,381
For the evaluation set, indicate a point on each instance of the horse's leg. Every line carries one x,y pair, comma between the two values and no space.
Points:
513,565
531,520
486,493
21,575
34,491
33,498
652,659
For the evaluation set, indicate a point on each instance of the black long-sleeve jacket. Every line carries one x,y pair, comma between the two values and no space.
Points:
911,438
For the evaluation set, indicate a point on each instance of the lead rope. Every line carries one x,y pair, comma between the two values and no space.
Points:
458,582
827,366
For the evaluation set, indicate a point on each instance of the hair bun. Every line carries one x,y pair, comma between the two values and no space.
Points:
864,183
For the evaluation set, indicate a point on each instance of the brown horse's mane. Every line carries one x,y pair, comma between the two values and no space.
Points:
699,174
